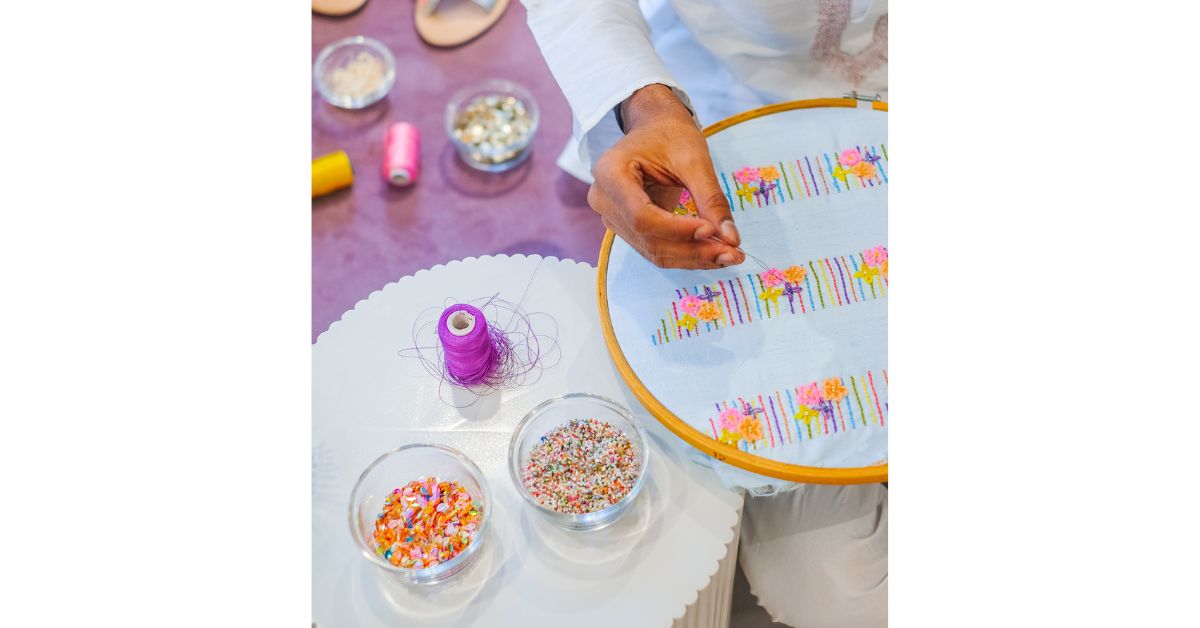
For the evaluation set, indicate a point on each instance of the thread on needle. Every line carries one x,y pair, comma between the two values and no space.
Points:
743,251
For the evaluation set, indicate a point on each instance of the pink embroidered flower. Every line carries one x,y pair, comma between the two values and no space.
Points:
772,277
751,429
768,173
731,419
849,157
810,395
685,197
690,304
833,389
795,274
875,256
747,175
709,311
864,170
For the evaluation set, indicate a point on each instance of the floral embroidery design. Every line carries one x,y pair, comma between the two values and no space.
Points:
686,205
874,264
816,400
850,401
737,425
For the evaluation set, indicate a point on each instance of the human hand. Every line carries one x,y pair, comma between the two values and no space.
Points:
642,175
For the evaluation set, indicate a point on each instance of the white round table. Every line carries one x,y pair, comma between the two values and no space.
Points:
645,570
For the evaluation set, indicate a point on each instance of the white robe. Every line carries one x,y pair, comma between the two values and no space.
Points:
721,57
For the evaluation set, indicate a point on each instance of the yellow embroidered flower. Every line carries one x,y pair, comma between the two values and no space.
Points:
747,193
771,295
730,438
867,274
833,389
768,173
795,274
807,414
863,169
710,311
751,429
687,321
840,173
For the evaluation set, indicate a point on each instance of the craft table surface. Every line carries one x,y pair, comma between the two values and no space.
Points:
372,233
643,570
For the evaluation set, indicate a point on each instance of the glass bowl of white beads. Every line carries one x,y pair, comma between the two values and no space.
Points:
579,460
492,124
354,72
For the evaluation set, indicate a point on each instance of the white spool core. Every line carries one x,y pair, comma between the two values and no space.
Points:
461,323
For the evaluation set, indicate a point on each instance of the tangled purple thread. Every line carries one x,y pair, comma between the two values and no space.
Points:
487,357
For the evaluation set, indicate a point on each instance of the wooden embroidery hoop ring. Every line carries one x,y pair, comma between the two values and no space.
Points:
694,437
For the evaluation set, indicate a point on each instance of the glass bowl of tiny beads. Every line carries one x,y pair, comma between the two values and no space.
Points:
354,72
492,124
421,512
579,460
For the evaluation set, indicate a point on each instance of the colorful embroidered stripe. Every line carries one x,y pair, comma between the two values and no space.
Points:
772,409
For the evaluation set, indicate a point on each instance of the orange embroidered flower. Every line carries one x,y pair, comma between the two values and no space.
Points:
708,312
768,173
795,274
833,389
863,169
884,269
751,429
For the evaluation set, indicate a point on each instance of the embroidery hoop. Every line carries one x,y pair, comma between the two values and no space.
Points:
692,436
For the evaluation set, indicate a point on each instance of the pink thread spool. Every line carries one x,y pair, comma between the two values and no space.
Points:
401,154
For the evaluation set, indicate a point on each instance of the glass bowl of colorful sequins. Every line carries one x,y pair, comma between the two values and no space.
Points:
354,72
421,512
492,124
579,460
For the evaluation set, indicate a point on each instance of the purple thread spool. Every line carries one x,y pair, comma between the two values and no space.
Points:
473,351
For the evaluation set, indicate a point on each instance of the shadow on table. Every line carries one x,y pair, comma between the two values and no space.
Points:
475,183
571,191
441,602
338,122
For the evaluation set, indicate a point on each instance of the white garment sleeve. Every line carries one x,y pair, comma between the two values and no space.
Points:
600,52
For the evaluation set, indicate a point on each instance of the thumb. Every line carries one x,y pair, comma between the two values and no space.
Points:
711,202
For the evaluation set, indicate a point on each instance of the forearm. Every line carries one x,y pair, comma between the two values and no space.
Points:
599,52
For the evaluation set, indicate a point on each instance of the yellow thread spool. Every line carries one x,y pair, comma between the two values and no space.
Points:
331,172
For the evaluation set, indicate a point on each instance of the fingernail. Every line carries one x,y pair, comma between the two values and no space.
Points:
725,258
730,232
704,232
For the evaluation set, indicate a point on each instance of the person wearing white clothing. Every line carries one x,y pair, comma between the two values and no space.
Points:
641,80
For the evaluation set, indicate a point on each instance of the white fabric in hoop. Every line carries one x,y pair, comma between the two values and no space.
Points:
825,214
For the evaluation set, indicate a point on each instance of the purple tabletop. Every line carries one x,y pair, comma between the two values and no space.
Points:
372,233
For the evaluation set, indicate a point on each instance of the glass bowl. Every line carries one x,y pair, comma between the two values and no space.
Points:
558,411
500,150
344,84
399,467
